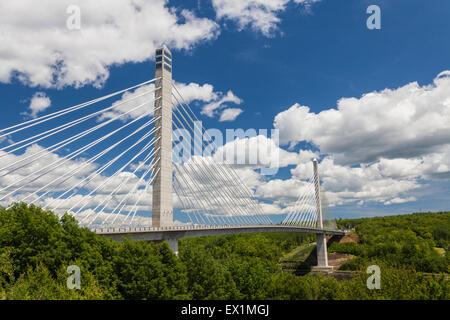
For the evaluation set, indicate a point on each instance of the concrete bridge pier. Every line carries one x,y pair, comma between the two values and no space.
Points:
322,255
172,235
173,244
321,238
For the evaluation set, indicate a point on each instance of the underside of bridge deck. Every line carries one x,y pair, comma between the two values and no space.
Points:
173,234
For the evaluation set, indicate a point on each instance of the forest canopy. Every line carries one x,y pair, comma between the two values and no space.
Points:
36,247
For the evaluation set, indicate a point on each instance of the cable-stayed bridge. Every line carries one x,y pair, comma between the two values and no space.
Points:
115,161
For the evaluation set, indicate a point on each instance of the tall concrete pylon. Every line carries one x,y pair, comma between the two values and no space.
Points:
317,194
162,207
321,238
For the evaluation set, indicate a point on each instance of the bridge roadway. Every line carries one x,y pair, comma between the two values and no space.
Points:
172,234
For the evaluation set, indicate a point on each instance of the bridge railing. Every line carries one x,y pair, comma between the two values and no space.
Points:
201,227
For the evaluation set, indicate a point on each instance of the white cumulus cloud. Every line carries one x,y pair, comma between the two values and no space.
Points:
230,114
141,101
39,102
406,122
211,108
259,15
39,50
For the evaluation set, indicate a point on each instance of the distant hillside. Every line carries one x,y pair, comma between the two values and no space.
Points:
418,241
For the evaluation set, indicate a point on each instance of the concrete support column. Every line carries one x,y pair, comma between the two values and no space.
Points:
317,192
321,238
162,209
173,244
322,255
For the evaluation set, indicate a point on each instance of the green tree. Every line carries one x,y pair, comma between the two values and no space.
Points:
149,271
39,284
208,277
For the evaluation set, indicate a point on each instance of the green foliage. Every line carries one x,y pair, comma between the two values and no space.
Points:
442,236
347,247
6,271
39,284
398,284
36,248
404,241
149,271
208,278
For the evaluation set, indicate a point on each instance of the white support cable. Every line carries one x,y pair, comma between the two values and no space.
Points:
135,187
183,204
300,202
65,142
220,212
134,213
211,174
245,188
115,174
312,217
91,160
305,211
298,214
207,211
290,213
202,168
194,208
180,197
194,180
62,161
293,210
310,211
193,193
104,152
302,217
100,170
315,216
66,126
110,195
67,110
211,191
191,207
220,168
147,185
306,216
199,166
327,214
96,173
123,205
105,199
240,212
200,177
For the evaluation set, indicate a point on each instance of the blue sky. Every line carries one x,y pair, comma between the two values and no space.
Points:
314,54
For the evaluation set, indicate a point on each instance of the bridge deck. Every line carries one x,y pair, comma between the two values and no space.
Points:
170,233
